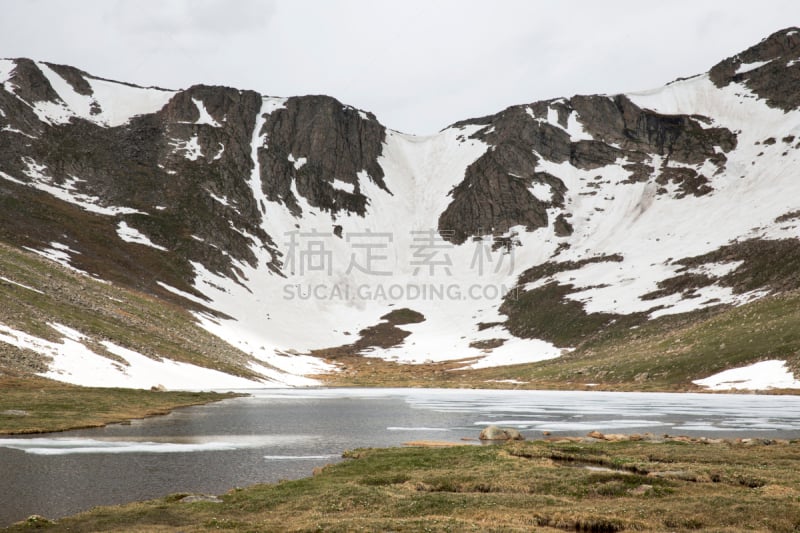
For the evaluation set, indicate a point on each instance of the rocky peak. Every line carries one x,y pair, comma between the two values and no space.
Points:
783,44
179,176
771,69
30,84
322,147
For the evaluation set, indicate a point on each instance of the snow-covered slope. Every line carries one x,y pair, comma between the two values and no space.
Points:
653,231
288,226
314,308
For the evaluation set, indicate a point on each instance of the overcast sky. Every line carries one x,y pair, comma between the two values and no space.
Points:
419,65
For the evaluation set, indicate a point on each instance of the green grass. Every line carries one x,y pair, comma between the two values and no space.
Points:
546,313
37,405
668,353
515,487
664,354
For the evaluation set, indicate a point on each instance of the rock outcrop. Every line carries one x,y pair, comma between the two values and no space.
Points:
587,132
770,69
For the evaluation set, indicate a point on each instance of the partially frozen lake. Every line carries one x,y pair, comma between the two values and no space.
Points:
284,434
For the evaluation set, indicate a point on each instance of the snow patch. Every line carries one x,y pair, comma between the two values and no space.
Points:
552,117
75,104
717,270
205,116
113,103
219,199
182,294
298,163
574,127
14,130
60,254
119,103
73,362
747,67
270,104
18,284
764,375
542,191
55,113
515,351
340,185
130,234
66,191
576,130
191,149
221,151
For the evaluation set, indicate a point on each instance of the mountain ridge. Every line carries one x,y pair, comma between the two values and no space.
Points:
212,198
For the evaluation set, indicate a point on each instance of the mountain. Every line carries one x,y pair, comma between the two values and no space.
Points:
292,234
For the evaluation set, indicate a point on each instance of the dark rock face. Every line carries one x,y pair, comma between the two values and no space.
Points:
315,141
640,133
492,198
31,84
495,194
777,79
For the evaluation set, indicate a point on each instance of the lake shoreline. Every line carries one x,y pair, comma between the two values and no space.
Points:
600,485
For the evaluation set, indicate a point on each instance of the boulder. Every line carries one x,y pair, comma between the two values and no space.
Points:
498,433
